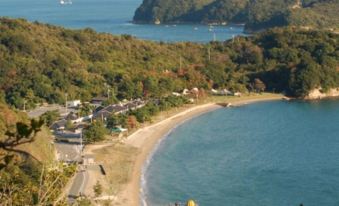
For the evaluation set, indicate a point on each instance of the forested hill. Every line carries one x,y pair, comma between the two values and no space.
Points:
256,15
40,63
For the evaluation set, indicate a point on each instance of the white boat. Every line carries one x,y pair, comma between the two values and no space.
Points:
64,2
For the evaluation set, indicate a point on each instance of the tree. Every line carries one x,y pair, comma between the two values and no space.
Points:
69,125
115,120
132,122
86,109
50,117
95,132
259,86
142,115
97,188
23,134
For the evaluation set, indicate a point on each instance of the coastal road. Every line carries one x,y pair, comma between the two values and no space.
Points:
37,112
68,152
78,186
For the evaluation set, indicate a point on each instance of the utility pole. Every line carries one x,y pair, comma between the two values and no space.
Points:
24,105
81,136
209,53
66,102
108,90
180,62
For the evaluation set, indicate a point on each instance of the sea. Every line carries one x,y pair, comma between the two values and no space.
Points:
112,16
263,154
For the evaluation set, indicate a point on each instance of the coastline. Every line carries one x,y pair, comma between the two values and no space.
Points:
147,138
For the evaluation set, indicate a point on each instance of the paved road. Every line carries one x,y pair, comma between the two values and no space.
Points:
68,152
37,112
78,186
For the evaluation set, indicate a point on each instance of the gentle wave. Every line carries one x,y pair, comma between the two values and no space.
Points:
143,194
143,181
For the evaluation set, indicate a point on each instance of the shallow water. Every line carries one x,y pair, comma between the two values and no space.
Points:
273,153
112,16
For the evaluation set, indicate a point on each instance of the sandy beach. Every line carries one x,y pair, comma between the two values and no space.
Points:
145,139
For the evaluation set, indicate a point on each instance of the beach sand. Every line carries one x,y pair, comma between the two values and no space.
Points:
145,139
125,161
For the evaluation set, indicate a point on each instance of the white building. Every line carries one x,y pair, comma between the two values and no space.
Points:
73,103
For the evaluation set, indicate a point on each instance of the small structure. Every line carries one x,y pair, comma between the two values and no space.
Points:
118,129
116,109
71,116
67,136
237,94
59,125
224,92
214,91
195,91
98,101
176,94
88,159
185,92
73,103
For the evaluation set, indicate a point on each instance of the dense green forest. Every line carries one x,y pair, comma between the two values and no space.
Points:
256,15
41,63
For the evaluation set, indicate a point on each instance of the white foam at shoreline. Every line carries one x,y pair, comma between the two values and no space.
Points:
143,181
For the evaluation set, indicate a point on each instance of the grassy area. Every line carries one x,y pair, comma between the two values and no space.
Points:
118,161
42,148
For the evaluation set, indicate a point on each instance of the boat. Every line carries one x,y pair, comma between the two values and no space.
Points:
64,2
188,203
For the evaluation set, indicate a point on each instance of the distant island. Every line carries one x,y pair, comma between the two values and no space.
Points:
255,15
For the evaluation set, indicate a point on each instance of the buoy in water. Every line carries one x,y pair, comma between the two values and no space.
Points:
190,203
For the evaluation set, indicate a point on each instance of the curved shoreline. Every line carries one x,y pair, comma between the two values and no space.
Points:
146,139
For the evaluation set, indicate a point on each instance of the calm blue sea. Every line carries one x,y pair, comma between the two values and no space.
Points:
111,16
263,154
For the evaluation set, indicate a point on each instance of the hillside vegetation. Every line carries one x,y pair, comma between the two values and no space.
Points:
40,63
256,15
28,175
